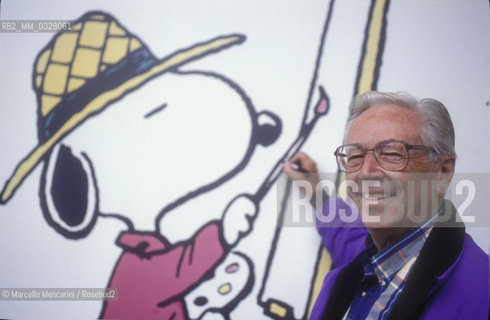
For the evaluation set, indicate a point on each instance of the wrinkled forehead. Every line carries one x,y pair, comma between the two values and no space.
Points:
385,122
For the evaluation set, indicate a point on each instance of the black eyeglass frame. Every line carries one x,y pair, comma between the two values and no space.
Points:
365,151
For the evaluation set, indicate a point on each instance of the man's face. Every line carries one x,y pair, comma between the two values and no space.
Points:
388,199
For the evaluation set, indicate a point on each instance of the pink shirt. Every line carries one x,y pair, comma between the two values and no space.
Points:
153,276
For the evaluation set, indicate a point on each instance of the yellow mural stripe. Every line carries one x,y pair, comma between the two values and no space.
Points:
369,67
366,81
323,266
103,100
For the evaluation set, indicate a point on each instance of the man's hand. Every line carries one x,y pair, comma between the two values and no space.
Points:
305,162
238,218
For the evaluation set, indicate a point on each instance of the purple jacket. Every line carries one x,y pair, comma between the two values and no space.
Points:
449,280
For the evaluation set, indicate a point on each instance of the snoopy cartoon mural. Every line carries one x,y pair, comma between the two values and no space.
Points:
108,110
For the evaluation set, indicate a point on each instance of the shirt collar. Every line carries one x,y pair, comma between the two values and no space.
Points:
387,262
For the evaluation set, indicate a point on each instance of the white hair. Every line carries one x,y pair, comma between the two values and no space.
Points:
437,129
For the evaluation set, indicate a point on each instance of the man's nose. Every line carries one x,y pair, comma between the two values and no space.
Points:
370,166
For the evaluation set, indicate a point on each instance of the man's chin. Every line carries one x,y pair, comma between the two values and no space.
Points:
376,217
383,225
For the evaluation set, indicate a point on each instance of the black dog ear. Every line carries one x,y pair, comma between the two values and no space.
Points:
68,193
269,128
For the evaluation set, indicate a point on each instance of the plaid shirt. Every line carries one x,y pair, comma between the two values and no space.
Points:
385,273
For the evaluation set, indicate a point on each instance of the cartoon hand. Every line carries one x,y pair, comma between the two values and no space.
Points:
238,218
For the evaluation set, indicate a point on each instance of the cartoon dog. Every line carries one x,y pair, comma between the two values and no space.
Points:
116,127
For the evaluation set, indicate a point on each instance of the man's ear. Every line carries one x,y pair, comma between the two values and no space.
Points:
446,171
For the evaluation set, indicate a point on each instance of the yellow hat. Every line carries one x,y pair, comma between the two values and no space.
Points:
83,70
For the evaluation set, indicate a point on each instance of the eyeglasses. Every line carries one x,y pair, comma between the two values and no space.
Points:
391,155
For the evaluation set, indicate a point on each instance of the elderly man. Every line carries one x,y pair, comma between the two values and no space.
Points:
408,258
